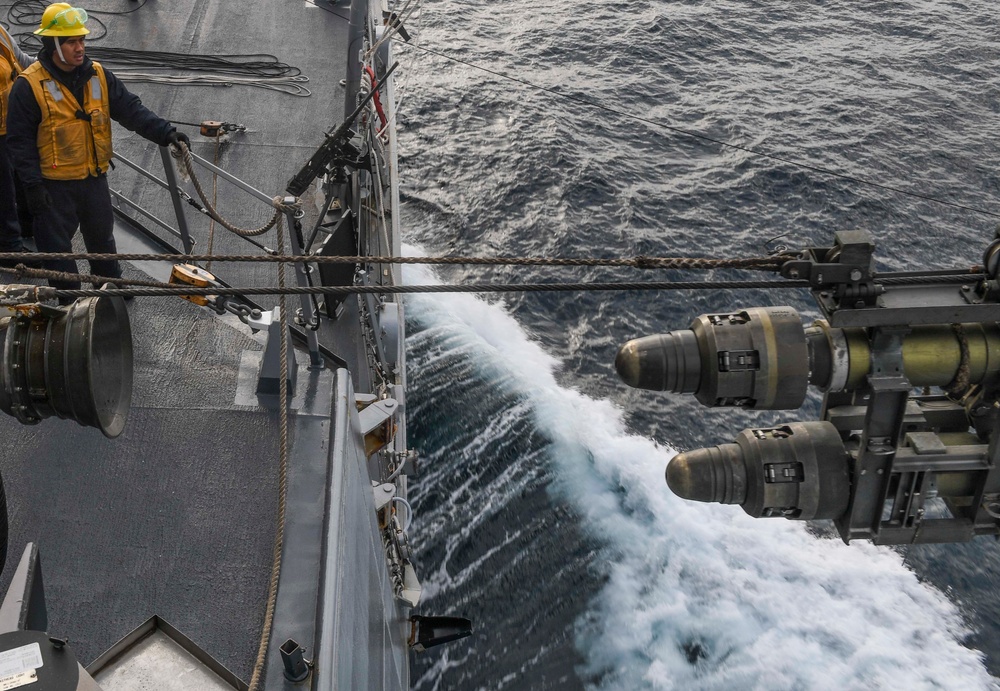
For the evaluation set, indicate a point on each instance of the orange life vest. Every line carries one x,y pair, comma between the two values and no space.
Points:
71,147
9,69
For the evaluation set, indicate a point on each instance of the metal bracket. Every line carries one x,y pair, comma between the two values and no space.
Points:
261,322
376,413
411,590
383,494
269,379
295,665
842,276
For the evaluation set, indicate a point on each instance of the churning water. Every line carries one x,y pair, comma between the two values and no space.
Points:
541,510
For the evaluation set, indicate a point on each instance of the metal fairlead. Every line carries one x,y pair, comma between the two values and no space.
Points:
885,463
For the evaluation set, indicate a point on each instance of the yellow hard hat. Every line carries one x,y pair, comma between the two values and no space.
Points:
61,19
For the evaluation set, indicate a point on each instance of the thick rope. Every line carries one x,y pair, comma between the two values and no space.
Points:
86,278
243,232
279,535
443,288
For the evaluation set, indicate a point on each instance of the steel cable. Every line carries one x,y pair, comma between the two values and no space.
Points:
640,262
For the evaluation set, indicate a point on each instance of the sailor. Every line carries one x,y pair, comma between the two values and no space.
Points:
59,137
12,61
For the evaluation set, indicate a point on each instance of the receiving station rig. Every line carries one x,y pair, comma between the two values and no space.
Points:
907,447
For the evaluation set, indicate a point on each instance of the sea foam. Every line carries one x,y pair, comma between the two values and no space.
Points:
702,596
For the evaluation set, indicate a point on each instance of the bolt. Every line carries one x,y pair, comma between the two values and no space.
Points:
855,274
794,273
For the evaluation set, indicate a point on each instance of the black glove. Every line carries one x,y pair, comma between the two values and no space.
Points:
175,138
38,199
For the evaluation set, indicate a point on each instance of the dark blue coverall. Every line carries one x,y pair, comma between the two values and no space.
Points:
86,202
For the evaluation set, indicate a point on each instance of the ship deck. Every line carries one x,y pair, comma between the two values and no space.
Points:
176,517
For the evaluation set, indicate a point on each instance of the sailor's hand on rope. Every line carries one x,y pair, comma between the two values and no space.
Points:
176,138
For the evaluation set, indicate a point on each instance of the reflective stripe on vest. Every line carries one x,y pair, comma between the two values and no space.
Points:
53,88
74,142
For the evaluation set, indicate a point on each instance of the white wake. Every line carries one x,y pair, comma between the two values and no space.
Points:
756,603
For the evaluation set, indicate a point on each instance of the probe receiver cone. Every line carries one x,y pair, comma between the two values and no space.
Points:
799,470
664,362
74,363
756,358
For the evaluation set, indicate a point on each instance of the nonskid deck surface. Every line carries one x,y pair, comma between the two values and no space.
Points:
177,516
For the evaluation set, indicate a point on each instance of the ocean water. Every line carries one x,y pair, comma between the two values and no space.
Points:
542,513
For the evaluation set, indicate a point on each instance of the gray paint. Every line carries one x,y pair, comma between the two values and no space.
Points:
176,517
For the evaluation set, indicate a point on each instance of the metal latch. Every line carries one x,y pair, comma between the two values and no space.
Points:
739,360
783,472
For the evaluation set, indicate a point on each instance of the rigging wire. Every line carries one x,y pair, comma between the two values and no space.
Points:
771,263
408,8
158,289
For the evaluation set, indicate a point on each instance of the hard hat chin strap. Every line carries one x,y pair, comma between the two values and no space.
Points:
59,50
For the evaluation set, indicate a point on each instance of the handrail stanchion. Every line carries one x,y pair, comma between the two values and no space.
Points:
315,359
175,197
122,199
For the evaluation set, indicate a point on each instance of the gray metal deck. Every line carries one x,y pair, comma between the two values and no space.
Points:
177,516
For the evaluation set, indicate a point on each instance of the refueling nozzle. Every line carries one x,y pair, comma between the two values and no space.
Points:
764,358
799,470
756,358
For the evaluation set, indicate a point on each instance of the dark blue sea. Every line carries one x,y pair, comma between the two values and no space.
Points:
542,513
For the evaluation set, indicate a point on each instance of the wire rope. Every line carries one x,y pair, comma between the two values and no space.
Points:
639,262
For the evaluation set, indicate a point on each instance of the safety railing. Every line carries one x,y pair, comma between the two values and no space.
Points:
179,198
